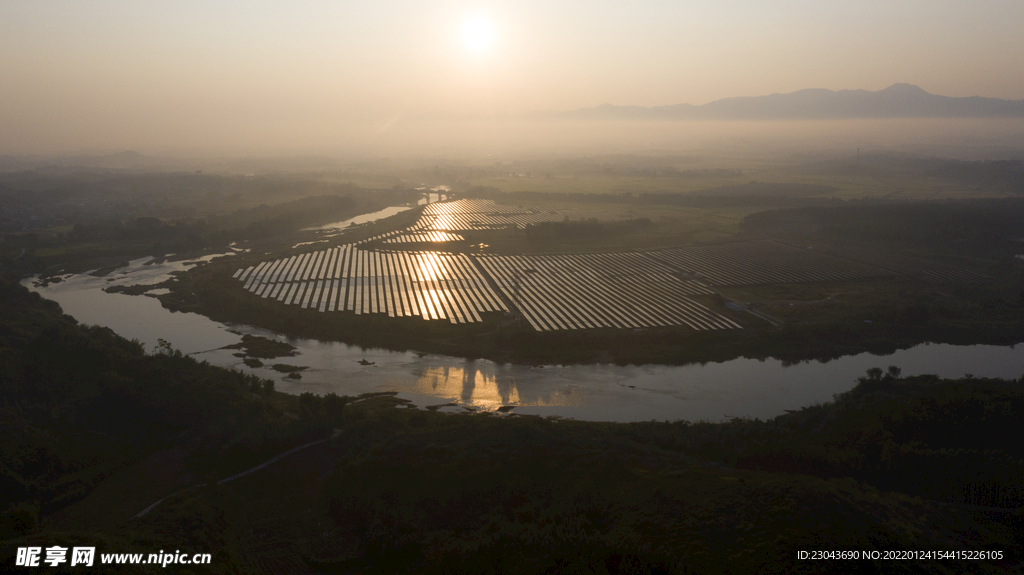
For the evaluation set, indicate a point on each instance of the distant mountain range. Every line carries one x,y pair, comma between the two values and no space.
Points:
896,101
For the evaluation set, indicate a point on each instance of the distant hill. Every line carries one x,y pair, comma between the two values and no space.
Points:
896,101
127,160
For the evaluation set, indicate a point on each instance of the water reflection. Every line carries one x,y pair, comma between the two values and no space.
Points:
471,385
484,385
363,219
138,317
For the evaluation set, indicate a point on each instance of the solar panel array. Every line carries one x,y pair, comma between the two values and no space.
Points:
425,237
552,292
469,205
946,275
624,290
762,262
400,284
476,214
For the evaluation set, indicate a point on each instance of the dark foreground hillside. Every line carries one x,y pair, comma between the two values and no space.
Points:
93,430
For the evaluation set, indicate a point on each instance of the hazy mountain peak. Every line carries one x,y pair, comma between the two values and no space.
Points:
901,100
903,88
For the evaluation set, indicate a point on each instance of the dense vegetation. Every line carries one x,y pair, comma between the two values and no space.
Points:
80,402
77,219
465,494
405,490
93,428
950,440
946,224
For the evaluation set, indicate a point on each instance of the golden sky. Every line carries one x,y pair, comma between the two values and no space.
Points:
110,75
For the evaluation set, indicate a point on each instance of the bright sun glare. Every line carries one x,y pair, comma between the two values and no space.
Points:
477,35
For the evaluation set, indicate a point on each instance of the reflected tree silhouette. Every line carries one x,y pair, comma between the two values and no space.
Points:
468,381
483,385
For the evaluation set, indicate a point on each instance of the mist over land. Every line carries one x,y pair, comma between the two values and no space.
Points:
458,79
425,236
482,140
901,118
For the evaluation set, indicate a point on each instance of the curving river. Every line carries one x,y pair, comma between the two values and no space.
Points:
713,392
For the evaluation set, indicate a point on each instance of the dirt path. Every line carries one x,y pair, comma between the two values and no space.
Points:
120,495
266,463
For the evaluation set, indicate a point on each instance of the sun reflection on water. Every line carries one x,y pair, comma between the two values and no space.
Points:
485,389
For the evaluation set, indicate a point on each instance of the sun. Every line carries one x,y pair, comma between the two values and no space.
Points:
477,35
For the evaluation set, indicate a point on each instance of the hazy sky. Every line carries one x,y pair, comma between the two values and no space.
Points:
77,75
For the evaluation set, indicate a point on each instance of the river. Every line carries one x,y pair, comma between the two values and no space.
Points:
713,392
710,392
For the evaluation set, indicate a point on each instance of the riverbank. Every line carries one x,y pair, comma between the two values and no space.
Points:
593,392
827,334
128,428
